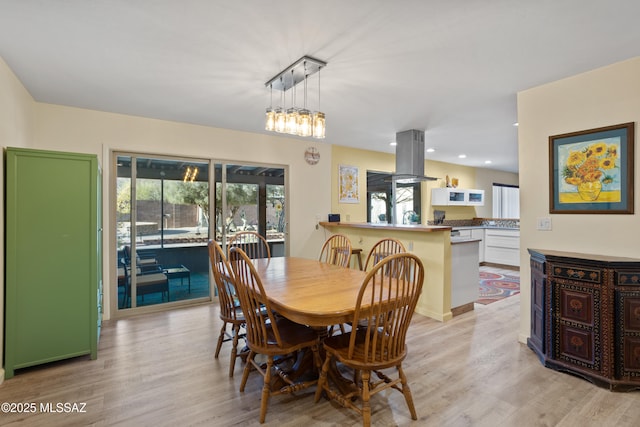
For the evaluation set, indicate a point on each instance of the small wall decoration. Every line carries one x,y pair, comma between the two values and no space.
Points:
312,156
348,184
591,171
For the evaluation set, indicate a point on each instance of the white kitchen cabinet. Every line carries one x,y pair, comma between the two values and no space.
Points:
448,197
456,197
475,197
502,246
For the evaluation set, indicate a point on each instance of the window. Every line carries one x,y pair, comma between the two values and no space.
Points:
379,194
506,201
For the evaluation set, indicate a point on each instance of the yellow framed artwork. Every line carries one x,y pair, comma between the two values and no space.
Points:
591,171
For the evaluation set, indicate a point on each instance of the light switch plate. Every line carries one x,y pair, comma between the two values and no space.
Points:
544,224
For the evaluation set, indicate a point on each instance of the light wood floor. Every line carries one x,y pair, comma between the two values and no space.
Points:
158,370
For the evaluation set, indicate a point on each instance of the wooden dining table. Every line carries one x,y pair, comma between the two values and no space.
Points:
310,292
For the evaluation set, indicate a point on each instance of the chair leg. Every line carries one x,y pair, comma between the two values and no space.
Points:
366,405
406,391
247,369
266,390
235,330
322,379
221,338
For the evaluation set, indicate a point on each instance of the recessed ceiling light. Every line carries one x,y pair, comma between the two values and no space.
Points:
462,156
515,124
487,162
393,144
430,150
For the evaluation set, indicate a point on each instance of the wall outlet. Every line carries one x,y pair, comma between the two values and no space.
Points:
544,224
410,246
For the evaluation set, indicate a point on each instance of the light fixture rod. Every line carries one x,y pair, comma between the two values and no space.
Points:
295,73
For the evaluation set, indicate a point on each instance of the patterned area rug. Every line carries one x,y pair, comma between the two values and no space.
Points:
494,287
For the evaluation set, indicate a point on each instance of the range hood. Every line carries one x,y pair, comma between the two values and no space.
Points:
410,157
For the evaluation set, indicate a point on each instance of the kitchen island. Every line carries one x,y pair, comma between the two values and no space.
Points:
432,244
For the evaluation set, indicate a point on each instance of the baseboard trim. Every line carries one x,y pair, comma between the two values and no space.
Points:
462,309
505,266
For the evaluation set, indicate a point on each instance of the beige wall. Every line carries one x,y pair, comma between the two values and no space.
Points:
602,97
16,106
468,177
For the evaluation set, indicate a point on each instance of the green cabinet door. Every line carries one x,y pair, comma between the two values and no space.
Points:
52,257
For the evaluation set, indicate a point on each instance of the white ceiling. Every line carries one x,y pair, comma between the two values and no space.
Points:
451,68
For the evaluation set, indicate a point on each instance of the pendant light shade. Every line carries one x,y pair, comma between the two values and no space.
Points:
270,120
280,120
318,125
292,121
305,122
270,115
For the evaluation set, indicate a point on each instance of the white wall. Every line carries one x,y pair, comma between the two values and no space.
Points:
602,97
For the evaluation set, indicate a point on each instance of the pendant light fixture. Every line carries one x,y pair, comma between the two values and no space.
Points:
292,112
270,116
318,117
292,120
280,115
304,115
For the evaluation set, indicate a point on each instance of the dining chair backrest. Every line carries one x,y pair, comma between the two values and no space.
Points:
255,305
252,243
382,249
224,279
385,306
336,250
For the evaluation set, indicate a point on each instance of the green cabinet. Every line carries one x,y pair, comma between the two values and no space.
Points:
53,257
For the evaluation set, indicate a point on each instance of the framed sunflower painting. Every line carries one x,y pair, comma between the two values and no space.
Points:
591,171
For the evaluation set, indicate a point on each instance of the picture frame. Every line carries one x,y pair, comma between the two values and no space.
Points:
592,171
348,184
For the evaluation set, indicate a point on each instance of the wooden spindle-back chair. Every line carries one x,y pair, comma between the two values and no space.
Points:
386,302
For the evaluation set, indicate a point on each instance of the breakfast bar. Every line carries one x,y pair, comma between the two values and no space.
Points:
432,244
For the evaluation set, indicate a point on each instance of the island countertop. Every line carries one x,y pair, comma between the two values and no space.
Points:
398,227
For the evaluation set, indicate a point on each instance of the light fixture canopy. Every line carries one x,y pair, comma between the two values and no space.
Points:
294,120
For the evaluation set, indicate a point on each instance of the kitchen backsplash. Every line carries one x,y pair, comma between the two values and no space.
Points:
480,222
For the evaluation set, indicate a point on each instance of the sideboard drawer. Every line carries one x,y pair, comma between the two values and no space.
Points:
576,306
573,272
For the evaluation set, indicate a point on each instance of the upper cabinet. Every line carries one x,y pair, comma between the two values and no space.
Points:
456,197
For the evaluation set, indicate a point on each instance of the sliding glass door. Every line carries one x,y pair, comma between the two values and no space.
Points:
162,218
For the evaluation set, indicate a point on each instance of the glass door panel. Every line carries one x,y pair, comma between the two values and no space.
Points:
163,253
251,198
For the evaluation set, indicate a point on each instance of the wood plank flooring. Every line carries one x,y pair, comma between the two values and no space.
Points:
159,370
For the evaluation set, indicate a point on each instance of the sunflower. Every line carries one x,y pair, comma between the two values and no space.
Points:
598,149
607,163
576,158
573,180
613,151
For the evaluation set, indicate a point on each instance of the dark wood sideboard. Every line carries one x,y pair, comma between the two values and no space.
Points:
585,316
